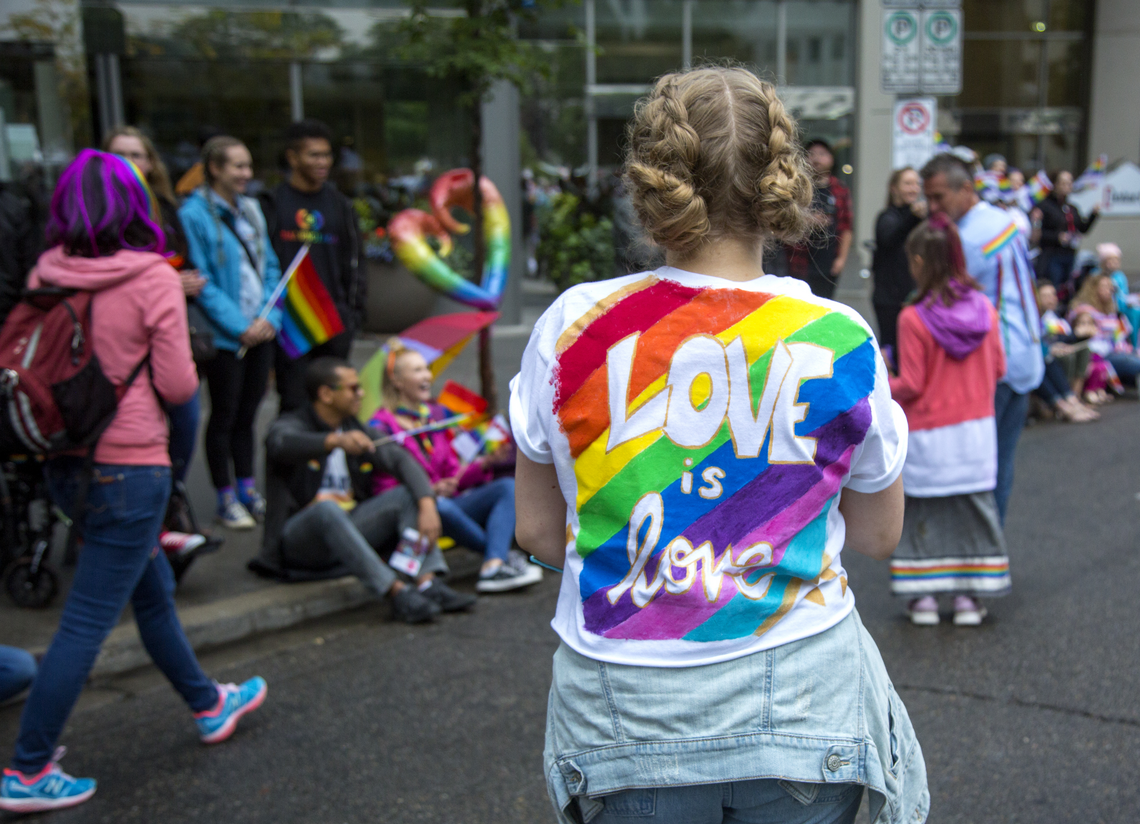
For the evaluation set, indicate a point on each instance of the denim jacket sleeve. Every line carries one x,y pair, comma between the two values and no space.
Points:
201,238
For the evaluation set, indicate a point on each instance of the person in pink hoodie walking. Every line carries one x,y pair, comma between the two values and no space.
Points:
104,239
951,359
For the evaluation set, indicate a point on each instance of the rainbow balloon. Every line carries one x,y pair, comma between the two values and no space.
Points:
409,230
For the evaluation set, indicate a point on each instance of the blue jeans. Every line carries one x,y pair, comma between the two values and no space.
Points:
1059,265
17,669
1127,366
119,563
761,801
1054,386
1010,409
483,518
183,435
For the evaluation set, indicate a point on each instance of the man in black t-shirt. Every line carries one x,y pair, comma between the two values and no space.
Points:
308,209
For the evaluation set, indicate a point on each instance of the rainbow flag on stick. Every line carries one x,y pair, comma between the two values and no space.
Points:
1093,176
1040,186
309,315
461,400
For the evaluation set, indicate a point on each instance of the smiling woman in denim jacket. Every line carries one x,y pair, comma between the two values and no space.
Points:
229,244
697,445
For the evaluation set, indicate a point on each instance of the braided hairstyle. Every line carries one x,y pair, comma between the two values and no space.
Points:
713,154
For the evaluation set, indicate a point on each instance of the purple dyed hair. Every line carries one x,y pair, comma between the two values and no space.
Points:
101,205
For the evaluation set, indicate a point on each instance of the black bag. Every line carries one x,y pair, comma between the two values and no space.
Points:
201,333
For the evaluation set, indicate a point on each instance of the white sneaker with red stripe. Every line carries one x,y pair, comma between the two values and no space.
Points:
180,543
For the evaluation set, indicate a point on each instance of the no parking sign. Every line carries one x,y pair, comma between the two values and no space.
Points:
913,132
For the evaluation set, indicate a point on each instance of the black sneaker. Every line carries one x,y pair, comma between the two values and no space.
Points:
448,599
509,576
411,607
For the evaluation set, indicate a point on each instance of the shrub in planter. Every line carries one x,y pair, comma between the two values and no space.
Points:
575,245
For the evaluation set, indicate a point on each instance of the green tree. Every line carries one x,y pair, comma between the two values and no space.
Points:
473,49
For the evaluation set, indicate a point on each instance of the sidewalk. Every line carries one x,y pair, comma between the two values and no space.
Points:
219,600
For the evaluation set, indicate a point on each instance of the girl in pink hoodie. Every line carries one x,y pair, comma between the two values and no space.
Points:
104,239
951,359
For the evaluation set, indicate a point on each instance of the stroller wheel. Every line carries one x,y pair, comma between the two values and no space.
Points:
28,588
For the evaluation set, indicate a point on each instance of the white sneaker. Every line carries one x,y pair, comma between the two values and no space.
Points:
180,543
923,611
967,611
507,576
236,516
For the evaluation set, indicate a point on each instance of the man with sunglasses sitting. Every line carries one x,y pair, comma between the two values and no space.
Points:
321,518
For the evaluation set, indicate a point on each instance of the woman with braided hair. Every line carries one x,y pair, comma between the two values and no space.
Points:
698,444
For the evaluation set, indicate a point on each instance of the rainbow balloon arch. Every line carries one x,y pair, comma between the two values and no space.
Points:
440,339
409,230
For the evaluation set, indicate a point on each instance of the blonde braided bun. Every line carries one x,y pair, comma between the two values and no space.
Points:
714,154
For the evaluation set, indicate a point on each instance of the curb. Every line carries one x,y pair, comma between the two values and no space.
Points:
279,606
237,618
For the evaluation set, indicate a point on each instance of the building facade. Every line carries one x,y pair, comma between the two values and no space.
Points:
1047,83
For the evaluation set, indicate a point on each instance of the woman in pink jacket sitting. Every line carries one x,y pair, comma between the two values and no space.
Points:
104,239
477,509
951,359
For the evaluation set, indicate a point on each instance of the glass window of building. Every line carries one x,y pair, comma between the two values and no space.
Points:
1025,82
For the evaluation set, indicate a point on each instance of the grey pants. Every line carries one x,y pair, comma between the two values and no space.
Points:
323,534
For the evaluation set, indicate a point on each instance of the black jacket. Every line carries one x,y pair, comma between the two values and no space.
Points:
21,242
341,268
1055,220
892,271
295,459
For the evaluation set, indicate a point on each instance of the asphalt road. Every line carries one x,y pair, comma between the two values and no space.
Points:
1034,717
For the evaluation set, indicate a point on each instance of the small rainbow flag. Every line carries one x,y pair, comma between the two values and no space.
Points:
1093,176
988,186
310,317
1040,186
461,400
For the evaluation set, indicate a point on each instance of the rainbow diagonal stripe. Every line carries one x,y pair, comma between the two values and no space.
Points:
784,506
998,243
309,316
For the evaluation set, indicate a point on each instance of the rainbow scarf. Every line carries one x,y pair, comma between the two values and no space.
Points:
715,497
309,316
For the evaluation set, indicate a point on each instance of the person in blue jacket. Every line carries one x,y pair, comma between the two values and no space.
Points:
229,245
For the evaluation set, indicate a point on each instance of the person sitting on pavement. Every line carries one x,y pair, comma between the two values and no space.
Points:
322,519
477,509
17,671
1112,342
1110,258
1066,363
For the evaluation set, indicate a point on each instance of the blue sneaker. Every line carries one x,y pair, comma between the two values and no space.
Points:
50,789
234,701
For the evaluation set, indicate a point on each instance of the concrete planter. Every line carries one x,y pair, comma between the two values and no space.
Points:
396,298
